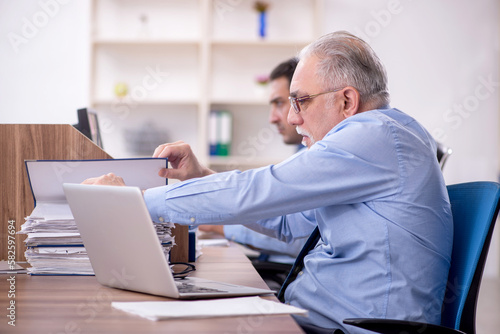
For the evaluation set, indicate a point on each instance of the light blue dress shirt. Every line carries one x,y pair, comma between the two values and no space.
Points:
382,209
276,250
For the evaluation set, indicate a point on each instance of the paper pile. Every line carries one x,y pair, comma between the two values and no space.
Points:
54,245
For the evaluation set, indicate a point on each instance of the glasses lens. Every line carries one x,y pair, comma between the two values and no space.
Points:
295,104
181,270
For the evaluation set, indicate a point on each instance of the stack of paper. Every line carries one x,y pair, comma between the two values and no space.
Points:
164,232
53,244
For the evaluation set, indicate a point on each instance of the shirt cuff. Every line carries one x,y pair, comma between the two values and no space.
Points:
155,202
236,233
231,231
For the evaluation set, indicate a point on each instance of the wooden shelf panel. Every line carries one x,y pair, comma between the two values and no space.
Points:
145,41
137,132
209,56
260,43
165,19
227,61
145,102
289,20
242,160
260,100
153,72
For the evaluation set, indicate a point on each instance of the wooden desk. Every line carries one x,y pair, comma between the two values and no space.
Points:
75,304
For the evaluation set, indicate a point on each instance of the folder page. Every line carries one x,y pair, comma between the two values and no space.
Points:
47,176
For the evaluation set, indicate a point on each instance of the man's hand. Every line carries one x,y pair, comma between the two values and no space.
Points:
184,163
106,180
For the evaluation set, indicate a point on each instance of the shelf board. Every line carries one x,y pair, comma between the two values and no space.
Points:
258,42
143,41
243,161
147,102
212,61
244,102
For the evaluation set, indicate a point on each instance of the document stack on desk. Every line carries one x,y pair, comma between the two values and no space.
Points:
53,244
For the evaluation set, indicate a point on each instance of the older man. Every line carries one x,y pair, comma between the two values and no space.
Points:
371,176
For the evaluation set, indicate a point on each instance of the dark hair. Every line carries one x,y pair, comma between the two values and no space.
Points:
285,69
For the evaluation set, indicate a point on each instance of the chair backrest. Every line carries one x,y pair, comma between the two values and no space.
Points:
475,208
443,153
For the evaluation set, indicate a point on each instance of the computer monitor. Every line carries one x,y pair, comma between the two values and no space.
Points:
89,125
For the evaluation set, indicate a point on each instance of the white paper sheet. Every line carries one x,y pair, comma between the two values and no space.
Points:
7,267
213,242
47,177
241,306
52,211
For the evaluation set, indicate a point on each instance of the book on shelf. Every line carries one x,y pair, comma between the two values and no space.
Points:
53,243
220,132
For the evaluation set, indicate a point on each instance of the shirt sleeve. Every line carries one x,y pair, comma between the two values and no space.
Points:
271,243
261,242
355,162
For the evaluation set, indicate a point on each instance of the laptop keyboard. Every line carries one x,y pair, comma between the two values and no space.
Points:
191,288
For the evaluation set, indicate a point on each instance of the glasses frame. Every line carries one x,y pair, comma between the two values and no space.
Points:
295,101
186,270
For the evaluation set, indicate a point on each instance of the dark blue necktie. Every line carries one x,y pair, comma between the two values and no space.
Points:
299,262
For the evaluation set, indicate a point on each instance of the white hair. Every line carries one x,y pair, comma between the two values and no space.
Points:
346,60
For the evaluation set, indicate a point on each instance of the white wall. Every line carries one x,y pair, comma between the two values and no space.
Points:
440,56
44,60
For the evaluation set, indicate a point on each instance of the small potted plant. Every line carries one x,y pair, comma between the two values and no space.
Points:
261,82
261,7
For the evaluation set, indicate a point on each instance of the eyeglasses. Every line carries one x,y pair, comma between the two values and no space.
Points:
297,101
181,269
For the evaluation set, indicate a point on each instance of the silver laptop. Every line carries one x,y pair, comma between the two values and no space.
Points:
124,249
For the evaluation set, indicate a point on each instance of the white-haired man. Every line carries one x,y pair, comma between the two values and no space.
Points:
371,176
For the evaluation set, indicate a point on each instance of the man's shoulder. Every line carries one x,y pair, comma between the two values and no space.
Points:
382,121
377,128
383,114
371,121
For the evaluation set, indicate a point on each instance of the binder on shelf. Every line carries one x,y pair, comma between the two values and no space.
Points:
220,132
53,245
212,132
225,122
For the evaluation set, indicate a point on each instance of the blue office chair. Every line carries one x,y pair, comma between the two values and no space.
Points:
475,208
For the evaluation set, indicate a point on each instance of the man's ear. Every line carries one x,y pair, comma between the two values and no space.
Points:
352,101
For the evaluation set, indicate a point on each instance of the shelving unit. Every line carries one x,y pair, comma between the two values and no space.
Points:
182,58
